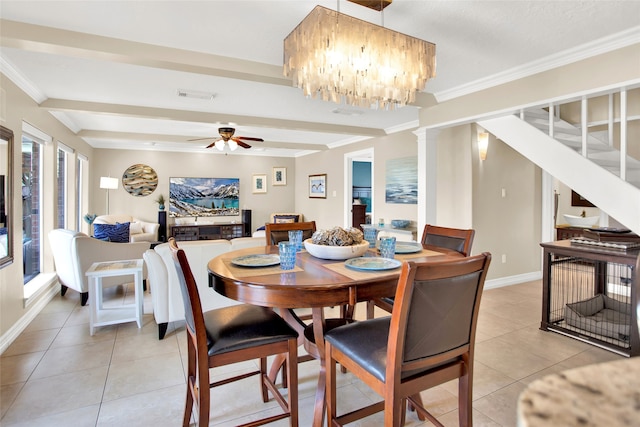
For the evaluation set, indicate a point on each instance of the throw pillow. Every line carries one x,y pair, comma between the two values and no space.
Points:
118,233
285,219
135,228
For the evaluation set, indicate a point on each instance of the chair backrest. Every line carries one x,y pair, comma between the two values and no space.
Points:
276,233
435,313
190,297
460,240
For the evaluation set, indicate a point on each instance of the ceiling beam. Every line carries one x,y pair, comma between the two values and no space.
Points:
38,38
148,137
203,117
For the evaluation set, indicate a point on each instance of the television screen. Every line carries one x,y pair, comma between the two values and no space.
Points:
204,197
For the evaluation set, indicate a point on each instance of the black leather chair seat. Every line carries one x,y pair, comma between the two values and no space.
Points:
244,326
365,343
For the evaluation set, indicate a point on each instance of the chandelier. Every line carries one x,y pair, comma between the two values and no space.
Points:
345,59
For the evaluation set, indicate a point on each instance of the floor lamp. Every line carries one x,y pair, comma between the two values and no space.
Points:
108,183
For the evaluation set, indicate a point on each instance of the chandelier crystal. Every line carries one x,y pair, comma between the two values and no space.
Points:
343,59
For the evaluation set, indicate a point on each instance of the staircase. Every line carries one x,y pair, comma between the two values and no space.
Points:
596,176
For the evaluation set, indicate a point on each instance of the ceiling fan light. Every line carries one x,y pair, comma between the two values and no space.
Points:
220,145
232,145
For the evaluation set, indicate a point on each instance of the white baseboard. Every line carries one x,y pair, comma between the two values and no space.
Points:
512,280
14,332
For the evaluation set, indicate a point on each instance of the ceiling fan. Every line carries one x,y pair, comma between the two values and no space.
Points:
226,135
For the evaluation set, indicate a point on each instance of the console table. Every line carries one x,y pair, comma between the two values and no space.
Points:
208,231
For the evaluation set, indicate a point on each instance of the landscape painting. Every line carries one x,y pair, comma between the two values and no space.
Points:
402,181
204,197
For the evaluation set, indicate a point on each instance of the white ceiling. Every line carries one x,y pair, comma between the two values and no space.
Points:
112,75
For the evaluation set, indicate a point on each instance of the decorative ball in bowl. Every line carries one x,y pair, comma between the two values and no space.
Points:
336,252
400,223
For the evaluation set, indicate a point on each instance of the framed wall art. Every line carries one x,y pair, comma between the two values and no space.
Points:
279,176
204,197
318,186
259,183
140,180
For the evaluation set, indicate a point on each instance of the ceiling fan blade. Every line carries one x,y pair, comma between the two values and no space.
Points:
202,139
240,143
248,138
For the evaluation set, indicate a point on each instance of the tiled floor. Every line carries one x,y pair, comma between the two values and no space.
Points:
55,374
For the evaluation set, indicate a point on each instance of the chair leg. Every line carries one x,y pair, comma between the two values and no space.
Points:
162,330
465,411
63,290
330,386
292,373
84,297
263,373
191,384
203,395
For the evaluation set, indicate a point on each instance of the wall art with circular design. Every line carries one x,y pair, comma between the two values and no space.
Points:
140,180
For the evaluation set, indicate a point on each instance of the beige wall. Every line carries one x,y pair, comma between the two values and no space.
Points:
21,107
170,164
329,212
509,225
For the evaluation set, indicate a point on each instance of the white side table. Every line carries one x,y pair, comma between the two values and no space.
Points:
100,316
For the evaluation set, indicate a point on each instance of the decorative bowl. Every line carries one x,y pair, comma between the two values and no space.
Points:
579,221
400,223
336,252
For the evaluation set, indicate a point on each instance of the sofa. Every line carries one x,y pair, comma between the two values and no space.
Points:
139,231
74,252
163,279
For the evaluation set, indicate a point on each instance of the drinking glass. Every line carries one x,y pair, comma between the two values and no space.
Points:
287,251
370,235
387,247
295,236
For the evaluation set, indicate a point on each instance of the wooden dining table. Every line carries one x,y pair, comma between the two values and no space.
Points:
313,283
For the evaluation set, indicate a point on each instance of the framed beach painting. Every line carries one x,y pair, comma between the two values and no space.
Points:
401,181
279,176
259,183
318,186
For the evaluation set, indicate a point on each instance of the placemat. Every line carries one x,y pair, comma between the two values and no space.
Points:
423,253
340,268
257,271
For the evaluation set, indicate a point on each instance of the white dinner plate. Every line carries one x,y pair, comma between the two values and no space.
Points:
372,263
408,247
256,260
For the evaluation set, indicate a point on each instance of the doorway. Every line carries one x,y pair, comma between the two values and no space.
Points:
359,184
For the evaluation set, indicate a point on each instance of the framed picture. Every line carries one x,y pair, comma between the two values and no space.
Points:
578,200
193,196
318,186
260,183
279,176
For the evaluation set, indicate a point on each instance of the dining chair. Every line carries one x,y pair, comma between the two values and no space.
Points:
278,232
229,335
457,239
428,340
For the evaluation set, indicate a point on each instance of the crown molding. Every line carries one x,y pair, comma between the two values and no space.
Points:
587,50
9,70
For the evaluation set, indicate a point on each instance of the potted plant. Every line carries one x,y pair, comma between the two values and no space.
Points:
160,200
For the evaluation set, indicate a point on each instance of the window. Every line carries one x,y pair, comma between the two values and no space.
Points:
63,172
33,147
31,206
82,199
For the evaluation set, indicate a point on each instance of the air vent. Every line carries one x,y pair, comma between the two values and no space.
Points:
347,112
185,93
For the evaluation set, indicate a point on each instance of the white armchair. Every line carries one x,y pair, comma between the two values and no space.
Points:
74,252
139,231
